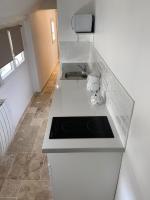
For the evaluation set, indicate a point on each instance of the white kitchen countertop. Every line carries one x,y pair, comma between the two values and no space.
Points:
72,99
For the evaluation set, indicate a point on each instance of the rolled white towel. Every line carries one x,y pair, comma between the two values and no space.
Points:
98,98
93,87
92,78
93,83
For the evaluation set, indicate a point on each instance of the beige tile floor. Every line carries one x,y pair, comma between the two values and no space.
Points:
24,169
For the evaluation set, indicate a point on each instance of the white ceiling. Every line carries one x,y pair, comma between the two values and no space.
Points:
12,11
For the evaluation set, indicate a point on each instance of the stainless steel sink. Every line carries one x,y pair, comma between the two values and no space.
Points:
75,75
75,71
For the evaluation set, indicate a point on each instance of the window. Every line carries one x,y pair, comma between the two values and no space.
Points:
6,70
53,31
16,49
19,59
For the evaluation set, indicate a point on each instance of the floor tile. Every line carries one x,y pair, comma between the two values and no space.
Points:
18,167
42,112
8,198
27,119
34,190
27,167
1,183
24,139
10,188
37,147
5,164
37,122
45,170
25,162
32,110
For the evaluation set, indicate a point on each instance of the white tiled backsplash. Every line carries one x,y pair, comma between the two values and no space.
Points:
118,101
75,52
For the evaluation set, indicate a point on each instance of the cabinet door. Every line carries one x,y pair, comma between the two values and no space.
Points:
85,176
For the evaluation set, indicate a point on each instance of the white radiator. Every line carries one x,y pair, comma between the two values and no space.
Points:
6,126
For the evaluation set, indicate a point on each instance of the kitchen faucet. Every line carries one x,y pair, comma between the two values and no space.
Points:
83,68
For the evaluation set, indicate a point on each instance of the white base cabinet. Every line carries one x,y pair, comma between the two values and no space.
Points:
84,176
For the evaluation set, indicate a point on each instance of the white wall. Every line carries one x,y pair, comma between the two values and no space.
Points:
46,51
75,52
30,54
123,39
15,10
66,9
73,48
17,89
118,102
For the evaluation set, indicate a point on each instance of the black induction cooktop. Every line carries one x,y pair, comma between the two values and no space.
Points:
80,127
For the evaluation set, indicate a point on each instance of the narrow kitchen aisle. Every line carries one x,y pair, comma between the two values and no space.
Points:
24,169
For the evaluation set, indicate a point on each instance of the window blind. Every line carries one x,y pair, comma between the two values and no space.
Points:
16,38
5,50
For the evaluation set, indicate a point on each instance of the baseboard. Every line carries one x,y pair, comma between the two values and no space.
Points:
47,80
